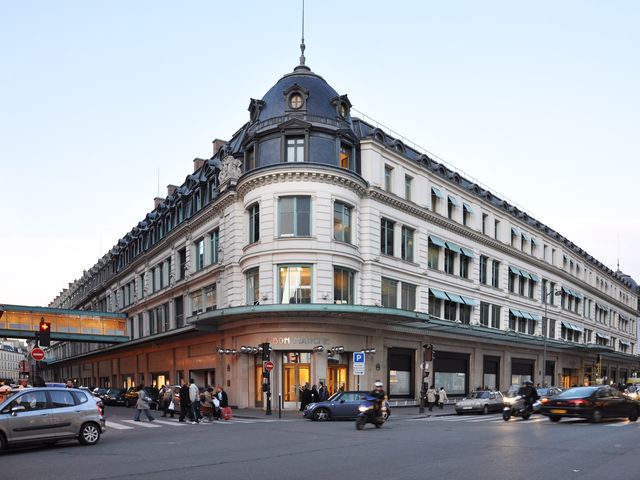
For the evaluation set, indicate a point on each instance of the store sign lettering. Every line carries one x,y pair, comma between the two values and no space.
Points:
299,340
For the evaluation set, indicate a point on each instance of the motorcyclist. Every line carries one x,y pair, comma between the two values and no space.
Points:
379,395
529,394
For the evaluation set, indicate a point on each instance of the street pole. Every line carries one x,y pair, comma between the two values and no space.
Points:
545,331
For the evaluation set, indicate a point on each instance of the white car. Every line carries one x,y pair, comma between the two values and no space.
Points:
481,401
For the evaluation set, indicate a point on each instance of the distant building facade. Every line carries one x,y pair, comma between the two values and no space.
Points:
323,235
11,353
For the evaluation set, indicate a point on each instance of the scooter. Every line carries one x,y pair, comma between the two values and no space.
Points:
370,414
519,409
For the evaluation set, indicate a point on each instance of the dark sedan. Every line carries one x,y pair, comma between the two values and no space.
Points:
114,396
593,403
341,405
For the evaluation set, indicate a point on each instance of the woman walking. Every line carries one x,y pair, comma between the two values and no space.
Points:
431,397
142,405
442,397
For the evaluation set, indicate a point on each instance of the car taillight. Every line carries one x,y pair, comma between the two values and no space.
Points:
578,403
100,410
544,400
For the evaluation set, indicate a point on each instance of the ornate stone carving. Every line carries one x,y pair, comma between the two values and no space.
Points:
230,169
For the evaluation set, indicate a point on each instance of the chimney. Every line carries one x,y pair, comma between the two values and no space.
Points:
157,201
171,189
198,163
217,145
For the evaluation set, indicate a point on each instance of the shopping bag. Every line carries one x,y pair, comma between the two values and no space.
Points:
172,406
226,413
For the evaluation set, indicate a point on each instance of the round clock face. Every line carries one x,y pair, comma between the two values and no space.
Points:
343,110
295,101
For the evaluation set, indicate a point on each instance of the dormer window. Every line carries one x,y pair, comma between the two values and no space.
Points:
295,149
295,101
345,156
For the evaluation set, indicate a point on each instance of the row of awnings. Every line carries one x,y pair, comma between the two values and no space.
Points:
624,342
602,307
451,246
573,293
453,297
454,201
525,274
525,315
524,235
603,336
572,326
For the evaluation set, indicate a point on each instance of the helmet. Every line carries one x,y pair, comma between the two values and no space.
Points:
378,385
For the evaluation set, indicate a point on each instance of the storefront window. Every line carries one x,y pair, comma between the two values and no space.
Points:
451,372
295,284
401,363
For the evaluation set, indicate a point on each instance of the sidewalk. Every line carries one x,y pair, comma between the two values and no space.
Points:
295,414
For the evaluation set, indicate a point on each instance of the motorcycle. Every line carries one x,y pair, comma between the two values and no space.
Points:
370,414
519,409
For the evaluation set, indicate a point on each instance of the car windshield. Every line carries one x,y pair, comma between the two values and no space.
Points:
335,396
578,392
114,391
479,395
543,391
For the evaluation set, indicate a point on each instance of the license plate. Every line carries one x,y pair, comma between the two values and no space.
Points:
467,408
558,411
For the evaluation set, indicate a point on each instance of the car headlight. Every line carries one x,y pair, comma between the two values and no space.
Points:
363,408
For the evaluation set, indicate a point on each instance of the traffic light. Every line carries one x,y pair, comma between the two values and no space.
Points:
44,335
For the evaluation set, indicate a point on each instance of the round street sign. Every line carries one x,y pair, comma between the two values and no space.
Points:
268,365
38,354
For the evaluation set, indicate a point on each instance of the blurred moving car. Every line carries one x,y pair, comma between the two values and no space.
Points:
548,392
131,397
593,403
49,414
340,405
480,401
114,396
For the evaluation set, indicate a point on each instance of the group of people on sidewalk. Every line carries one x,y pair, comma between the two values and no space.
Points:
436,397
189,401
312,395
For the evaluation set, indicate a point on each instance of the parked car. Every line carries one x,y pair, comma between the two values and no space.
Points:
114,396
593,403
100,391
481,401
48,415
340,405
131,397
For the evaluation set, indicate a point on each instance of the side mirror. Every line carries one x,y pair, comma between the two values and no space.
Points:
16,409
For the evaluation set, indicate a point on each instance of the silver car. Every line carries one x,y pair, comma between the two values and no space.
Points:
481,401
47,415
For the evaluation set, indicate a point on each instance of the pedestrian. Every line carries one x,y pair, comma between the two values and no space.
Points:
69,383
224,409
305,397
185,403
207,404
168,407
442,397
194,398
431,397
142,405
315,395
323,392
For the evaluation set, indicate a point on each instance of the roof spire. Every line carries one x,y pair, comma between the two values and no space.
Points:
302,65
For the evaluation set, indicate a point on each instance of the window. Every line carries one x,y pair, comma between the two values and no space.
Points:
254,223
250,160
466,213
180,214
435,305
388,178
214,244
199,251
295,216
252,279
386,236
464,266
532,285
495,316
182,261
496,229
483,269
484,314
345,156
197,202
61,399
178,304
450,310
342,222
295,149
343,286
407,244
295,284
485,218
141,286
408,180
449,260
408,296
465,314
521,285
203,300
495,274
389,293
450,206
433,255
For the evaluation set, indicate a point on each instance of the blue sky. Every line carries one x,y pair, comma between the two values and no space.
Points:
538,100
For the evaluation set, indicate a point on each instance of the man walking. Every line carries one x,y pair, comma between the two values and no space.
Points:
431,397
442,397
194,398
185,403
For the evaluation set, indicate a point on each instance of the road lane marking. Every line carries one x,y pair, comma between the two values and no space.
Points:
485,419
117,426
141,424
173,424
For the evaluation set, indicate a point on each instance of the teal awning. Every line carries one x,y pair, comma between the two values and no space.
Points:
527,315
467,207
467,252
514,270
437,192
437,241
534,241
439,294
454,201
572,326
454,297
469,301
603,307
534,277
515,231
516,313
573,293
624,342
603,336
453,247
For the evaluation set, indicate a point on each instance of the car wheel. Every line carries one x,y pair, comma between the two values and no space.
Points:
89,434
555,419
321,415
506,416
360,422
634,416
485,410
596,416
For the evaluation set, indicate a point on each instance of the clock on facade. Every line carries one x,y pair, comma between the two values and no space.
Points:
295,101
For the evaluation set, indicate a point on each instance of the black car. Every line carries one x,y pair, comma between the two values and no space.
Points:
114,396
593,403
131,397
339,405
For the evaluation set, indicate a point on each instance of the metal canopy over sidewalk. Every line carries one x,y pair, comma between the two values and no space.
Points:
17,321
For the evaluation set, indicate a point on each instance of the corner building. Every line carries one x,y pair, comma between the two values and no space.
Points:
323,235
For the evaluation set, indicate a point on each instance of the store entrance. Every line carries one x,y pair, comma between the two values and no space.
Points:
570,377
259,394
159,379
337,378
296,371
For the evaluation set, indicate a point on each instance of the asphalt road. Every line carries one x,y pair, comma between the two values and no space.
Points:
448,447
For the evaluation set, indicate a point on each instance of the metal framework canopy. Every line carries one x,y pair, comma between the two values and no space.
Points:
18,321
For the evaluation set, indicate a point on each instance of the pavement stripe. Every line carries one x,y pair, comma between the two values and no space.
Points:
117,426
167,422
485,419
141,423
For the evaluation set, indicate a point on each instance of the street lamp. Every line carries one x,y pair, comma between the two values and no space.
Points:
545,329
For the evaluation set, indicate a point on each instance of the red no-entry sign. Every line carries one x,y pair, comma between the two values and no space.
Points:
268,365
38,354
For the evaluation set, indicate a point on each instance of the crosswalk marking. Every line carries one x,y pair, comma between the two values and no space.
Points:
485,419
158,423
117,426
141,423
167,422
